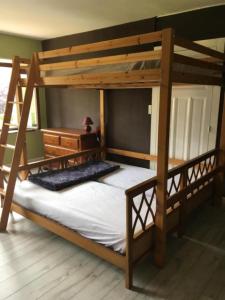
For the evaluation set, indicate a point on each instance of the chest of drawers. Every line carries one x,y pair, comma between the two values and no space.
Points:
63,141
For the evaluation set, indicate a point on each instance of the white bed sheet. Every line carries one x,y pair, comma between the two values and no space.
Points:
127,176
95,210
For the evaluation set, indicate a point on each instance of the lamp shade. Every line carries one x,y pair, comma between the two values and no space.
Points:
87,121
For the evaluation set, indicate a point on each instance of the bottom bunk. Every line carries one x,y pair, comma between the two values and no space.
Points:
115,217
95,210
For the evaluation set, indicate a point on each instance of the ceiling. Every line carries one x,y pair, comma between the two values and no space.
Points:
43,19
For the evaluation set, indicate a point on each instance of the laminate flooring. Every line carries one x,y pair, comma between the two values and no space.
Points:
36,264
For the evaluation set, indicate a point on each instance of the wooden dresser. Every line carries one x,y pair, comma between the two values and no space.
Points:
63,141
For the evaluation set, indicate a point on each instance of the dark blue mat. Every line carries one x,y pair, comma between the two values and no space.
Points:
59,179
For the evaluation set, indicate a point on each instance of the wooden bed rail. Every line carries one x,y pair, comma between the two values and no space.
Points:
140,155
208,71
202,72
124,42
193,46
102,61
189,176
183,184
187,183
193,161
197,62
201,165
192,169
127,78
139,232
102,78
61,159
188,189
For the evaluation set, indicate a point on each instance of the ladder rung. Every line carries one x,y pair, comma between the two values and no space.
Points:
9,124
2,192
26,61
5,169
15,102
8,146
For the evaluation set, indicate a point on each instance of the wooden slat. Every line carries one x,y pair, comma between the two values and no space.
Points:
178,58
139,155
104,45
198,48
10,124
15,102
127,85
212,59
8,146
48,161
26,61
133,154
103,78
2,192
193,78
5,169
107,60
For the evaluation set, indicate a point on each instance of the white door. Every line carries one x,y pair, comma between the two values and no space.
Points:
194,115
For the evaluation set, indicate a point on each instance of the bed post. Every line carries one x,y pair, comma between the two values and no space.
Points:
129,248
102,121
163,144
220,144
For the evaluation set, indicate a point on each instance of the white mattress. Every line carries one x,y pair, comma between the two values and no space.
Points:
127,176
95,210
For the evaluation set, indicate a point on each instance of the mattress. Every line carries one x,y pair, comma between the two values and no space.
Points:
127,176
95,210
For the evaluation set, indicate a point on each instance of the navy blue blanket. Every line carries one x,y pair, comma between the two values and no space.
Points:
59,179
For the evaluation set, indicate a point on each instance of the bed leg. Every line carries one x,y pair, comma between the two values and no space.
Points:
129,277
160,248
218,190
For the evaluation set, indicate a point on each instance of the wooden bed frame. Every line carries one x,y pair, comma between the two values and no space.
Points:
177,191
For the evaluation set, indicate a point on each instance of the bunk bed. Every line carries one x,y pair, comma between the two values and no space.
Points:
153,207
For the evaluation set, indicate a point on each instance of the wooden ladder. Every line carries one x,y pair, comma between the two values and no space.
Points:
14,98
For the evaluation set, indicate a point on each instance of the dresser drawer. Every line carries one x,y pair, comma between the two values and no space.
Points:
72,143
57,151
51,139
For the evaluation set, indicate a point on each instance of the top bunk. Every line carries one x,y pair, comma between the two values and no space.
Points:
72,66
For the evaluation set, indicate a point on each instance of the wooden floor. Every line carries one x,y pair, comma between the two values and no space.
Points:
35,264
